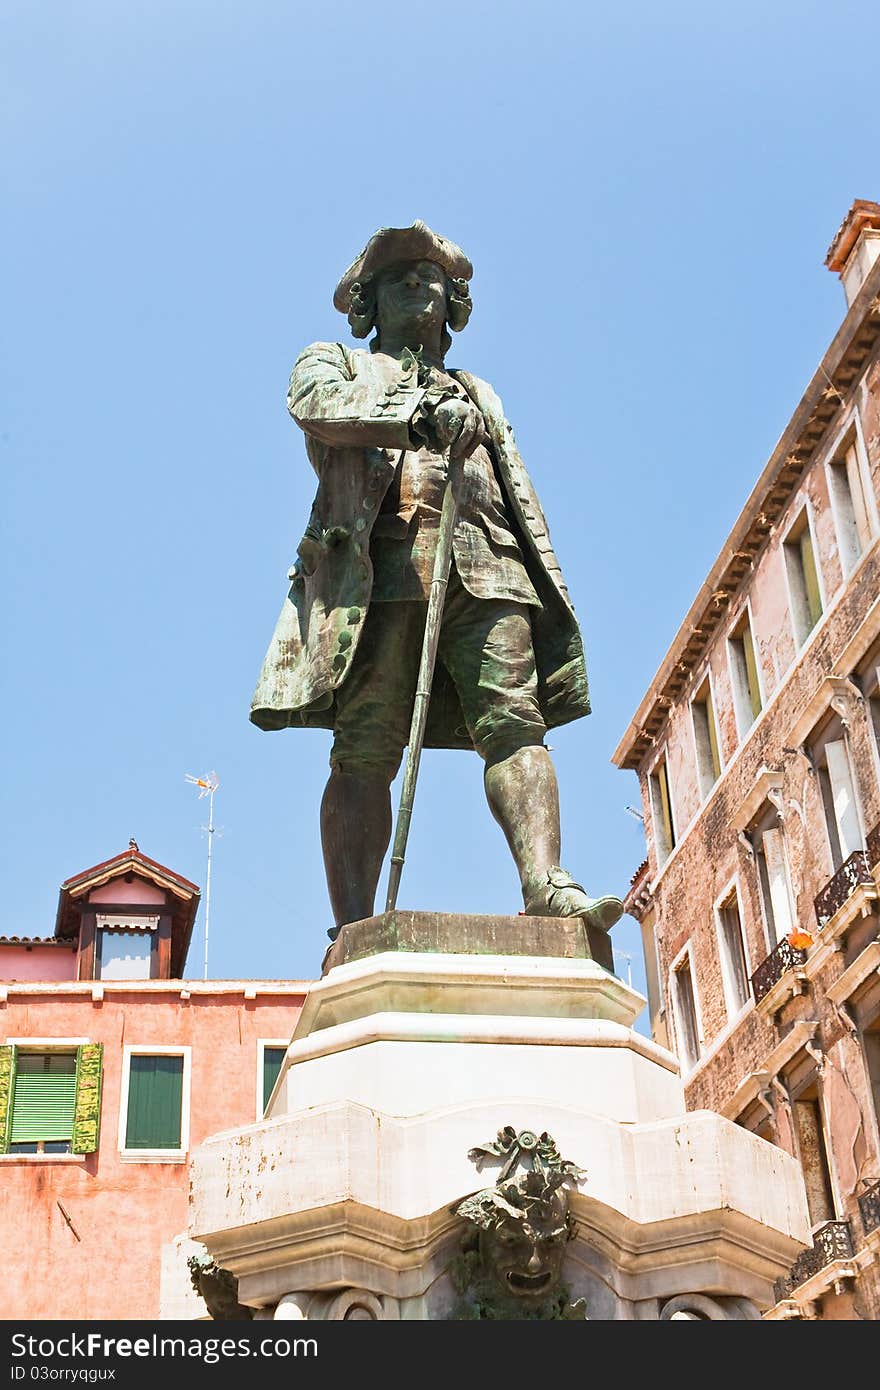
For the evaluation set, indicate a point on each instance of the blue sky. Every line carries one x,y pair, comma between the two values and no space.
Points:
647,193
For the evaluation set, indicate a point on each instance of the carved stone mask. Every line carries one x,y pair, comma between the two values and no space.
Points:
525,1257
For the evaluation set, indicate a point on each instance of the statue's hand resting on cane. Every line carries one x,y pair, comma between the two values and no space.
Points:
451,426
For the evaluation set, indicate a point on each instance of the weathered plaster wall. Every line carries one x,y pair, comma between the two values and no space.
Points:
124,1212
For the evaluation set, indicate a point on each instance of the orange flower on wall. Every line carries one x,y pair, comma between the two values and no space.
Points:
799,939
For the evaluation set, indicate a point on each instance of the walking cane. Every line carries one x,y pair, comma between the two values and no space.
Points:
436,600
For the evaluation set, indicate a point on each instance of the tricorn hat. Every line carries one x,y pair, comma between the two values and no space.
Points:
392,244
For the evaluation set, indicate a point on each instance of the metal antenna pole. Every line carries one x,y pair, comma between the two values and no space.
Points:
208,875
436,600
207,787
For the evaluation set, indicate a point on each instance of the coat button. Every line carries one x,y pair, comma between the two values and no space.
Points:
354,615
339,663
344,640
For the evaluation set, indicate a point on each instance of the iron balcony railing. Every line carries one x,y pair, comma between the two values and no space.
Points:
783,957
852,874
831,1242
872,845
869,1206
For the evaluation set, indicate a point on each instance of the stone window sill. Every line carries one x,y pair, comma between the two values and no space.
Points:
43,1158
152,1156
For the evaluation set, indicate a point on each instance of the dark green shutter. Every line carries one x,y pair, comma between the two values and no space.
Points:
87,1109
7,1071
155,1099
272,1059
43,1097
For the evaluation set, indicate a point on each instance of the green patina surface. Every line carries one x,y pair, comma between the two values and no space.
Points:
454,934
421,490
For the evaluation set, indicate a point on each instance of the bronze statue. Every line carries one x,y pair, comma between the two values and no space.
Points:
383,430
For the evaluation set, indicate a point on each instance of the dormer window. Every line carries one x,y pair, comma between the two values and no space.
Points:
127,947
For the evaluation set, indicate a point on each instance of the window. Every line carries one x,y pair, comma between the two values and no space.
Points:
270,1057
50,1097
774,879
849,502
706,738
803,579
154,1110
831,758
734,966
747,701
871,1040
868,681
127,948
813,1154
661,805
684,1006
43,1102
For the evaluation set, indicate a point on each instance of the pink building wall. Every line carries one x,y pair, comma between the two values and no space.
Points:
118,891
38,962
124,1211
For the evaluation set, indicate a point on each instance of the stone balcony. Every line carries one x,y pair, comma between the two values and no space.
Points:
853,880
828,1261
779,976
869,1207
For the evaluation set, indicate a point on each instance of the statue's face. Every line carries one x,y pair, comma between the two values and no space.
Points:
525,1260
411,295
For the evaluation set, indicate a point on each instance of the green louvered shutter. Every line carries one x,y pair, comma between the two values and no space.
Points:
43,1097
7,1069
87,1109
155,1098
272,1059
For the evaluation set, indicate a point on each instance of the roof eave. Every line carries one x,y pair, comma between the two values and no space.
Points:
852,325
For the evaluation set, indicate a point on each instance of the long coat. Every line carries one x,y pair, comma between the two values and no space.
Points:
355,408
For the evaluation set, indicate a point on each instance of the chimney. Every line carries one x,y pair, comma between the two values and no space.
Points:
856,247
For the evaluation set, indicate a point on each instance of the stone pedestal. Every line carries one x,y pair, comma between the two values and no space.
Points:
426,1036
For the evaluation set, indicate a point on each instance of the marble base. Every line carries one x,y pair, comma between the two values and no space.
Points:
340,1204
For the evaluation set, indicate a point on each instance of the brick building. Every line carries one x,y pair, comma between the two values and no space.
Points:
757,747
113,1067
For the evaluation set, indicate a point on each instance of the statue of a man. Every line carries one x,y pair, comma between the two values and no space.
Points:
382,430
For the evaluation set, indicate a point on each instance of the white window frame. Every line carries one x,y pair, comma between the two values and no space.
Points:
708,679
731,636
45,1045
770,936
686,1066
733,890
155,1050
833,1176
662,756
661,1008
852,428
817,749
262,1044
806,509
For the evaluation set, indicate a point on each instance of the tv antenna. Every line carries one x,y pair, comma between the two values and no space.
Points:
207,787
